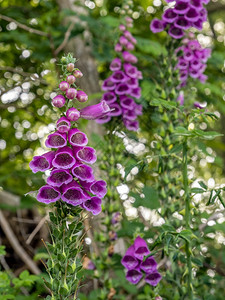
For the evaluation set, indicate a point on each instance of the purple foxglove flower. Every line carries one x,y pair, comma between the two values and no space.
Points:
109,97
203,14
98,188
127,103
63,125
169,16
93,205
182,23
72,114
134,276
71,93
128,57
149,265
116,218
192,15
70,79
118,76
157,25
181,7
59,177
63,86
70,67
188,55
73,194
136,92
138,109
198,105
64,158
122,27
197,4
175,32
182,64
140,248
122,89
132,82
183,76
103,120
198,24
77,138
130,70
194,73
83,172
58,101
123,41
129,261
118,48
78,74
85,154
153,278
115,110
42,162
133,40
82,96
108,85
130,46
127,34
131,125
129,115
115,64
195,64
47,194
96,111
56,140
180,98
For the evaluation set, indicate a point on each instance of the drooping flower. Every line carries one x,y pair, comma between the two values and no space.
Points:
136,264
71,179
123,82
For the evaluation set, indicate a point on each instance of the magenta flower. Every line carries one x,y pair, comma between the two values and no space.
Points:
140,248
58,101
64,158
72,114
83,172
82,96
63,125
149,265
85,154
59,177
153,278
134,276
129,261
48,194
73,194
56,140
93,205
77,138
95,111
42,163
157,25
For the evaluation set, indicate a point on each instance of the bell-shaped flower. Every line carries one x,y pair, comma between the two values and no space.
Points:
115,64
129,261
153,278
109,97
140,248
96,111
63,125
64,158
83,172
48,194
56,140
85,154
42,162
59,177
134,276
77,137
149,265
73,194
115,110
93,205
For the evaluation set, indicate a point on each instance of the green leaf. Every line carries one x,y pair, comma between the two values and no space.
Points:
150,199
206,135
2,250
197,190
167,104
203,185
181,131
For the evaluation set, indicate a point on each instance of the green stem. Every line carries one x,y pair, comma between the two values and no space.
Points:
187,218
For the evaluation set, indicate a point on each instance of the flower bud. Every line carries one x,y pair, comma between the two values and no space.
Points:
73,114
58,101
118,48
64,86
70,79
82,96
71,93
77,73
70,67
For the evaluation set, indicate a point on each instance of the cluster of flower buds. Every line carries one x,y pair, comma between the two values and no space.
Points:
71,178
192,61
122,86
177,19
137,265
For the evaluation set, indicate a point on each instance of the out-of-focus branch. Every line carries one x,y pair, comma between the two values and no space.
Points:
25,27
66,38
16,245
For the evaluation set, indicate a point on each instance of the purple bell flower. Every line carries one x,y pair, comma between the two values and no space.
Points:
85,154
129,261
98,188
96,111
77,138
115,65
42,162
157,25
115,110
108,85
109,97
149,265
56,140
153,278
73,194
64,158
59,177
176,32
72,114
140,248
83,172
128,57
122,89
134,276
131,125
169,16
48,194
118,76
93,205
63,125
